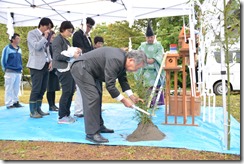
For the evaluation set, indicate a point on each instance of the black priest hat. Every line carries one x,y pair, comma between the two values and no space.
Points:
149,31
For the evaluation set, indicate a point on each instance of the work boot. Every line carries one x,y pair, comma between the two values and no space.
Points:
33,111
39,110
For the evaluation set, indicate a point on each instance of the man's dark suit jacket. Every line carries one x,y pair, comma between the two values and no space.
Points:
80,40
106,64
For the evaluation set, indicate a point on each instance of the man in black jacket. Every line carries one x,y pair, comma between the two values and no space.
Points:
82,38
105,64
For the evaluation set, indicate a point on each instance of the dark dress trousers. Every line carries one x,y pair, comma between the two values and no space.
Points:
104,64
65,78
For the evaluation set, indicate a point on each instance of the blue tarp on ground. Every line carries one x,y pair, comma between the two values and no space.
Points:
15,124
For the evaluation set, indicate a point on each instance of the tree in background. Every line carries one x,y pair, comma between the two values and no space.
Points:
118,34
231,15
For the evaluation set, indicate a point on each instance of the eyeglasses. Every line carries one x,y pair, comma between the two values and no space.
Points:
71,31
90,26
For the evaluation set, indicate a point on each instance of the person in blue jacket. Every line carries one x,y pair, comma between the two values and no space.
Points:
11,62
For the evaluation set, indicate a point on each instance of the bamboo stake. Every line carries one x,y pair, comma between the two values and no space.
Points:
141,110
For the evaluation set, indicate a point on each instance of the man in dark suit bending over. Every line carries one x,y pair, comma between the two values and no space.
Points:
104,64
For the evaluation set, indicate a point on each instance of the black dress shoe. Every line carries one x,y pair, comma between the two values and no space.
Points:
10,107
79,115
106,130
17,105
96,138
53,108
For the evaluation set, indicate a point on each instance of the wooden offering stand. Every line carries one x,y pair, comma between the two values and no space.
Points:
171,65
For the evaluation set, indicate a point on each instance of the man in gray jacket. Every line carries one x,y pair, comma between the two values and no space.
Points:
39,63
104,64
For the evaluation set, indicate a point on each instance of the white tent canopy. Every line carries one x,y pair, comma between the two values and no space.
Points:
29,12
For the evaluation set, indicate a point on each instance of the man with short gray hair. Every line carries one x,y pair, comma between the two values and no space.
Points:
105,64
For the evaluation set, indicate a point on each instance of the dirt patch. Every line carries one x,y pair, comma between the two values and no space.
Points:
146,132
37,150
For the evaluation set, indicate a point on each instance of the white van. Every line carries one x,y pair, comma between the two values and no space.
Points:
214,75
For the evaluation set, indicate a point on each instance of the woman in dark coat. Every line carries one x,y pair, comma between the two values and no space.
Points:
62,63
53,81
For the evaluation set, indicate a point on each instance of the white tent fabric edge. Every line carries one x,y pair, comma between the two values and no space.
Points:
29,13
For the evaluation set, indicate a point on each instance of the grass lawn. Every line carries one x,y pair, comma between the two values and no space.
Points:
28,150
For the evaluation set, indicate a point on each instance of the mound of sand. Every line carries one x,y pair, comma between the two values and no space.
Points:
146,132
